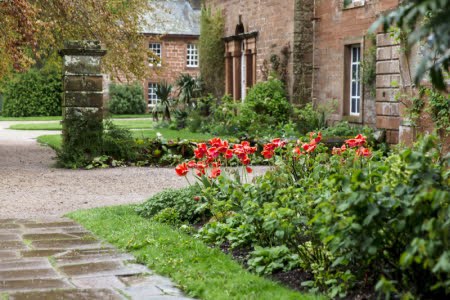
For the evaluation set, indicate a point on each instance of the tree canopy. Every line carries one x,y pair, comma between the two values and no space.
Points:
426,22
32,30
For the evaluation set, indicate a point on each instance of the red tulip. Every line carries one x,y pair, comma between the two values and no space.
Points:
215,172
212,152
200,151
363,152
245,160
182,169
229,154
309,148
267,153
249,170
297,151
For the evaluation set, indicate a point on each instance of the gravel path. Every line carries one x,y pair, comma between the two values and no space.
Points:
30,186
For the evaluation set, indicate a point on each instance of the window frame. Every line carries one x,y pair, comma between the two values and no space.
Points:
352,4
355,96
192,55
152,97
157,52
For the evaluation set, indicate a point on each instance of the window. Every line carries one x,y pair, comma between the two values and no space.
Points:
353,3
355,80
156,49
192,55
153,99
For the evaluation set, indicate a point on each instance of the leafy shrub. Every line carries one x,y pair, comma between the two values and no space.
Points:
33,93
392,220
118,143
126,99
182,201
82,140
268,260
169,216
93,144
354,219
265,106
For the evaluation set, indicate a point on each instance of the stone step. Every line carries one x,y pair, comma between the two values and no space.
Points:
12,245
41,252
18,264
105,268
67,244
30,284
92,258
87,294
6,255
43,273
51,224
9,237
48,236
69,229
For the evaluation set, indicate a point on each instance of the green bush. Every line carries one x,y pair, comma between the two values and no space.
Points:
265,107
126,99
87,140
33,93
182,201
169,216
392,219
355,222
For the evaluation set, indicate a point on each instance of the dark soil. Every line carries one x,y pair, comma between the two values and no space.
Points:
292,279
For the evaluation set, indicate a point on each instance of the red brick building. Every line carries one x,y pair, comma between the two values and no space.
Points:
341,47
254,32
328,43
173,39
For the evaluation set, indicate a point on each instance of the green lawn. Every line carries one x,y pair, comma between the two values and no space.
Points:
54,140
54,118
130,124
202,272
59,118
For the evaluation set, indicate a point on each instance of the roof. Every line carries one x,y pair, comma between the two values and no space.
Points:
173,17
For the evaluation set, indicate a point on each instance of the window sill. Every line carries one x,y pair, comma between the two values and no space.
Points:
355,119
356,4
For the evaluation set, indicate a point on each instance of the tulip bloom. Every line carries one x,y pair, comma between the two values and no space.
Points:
267,153
229,154
182,169
248,169
363,152
201,150
358,141
309,148
215,172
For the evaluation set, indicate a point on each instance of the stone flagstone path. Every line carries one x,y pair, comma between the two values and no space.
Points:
55,258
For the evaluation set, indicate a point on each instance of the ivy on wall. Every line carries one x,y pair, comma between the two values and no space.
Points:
212,51
369,65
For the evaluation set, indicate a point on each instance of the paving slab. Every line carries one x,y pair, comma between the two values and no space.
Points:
58,259
75,294
33,285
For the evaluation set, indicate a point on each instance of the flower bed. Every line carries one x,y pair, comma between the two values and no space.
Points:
355,219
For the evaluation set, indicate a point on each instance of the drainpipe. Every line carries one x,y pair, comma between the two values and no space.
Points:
314,19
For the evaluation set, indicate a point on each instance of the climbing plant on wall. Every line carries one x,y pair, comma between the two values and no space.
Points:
211,50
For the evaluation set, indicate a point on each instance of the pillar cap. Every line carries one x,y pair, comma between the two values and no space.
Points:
82,48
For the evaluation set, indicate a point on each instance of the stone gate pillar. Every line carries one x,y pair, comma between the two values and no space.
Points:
83,98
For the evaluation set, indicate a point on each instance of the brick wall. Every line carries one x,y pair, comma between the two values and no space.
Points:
335,28
273,19
173,60
388,84
303,49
